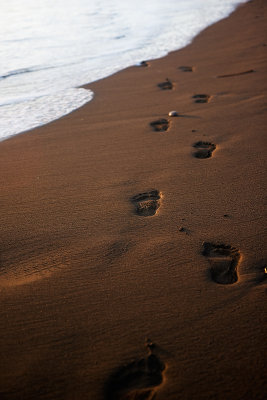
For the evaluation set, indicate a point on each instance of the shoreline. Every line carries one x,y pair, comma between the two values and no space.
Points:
111,230
85,85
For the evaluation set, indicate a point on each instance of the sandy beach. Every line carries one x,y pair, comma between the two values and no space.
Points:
133,243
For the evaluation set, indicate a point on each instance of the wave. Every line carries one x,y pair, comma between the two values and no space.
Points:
22,71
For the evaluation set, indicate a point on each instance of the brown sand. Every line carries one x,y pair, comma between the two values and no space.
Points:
93,278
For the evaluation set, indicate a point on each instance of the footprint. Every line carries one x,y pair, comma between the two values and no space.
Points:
144,64
223,261
202,98
137,380
167,85
186,69
236,74
204,149
161,125
147,204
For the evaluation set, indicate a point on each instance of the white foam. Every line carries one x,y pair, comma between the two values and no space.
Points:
39,111
48,50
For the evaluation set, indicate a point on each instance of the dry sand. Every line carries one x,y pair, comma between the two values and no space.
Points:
107,291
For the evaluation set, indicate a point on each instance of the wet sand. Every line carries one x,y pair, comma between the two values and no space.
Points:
133,243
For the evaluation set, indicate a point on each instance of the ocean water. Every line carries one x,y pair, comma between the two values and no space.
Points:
48,48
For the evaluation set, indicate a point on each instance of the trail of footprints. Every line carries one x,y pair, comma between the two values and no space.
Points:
223,259
140,379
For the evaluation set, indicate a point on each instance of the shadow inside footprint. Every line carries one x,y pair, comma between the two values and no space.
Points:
136,381
167,85
201,98
223,261
204,149
161,125
186,68
147,204
261,273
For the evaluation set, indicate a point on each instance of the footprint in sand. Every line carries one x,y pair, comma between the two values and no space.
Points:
236,74
136,381
167,85
223,261
161,125
202,98
186,68
144,64
147,204
204,149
